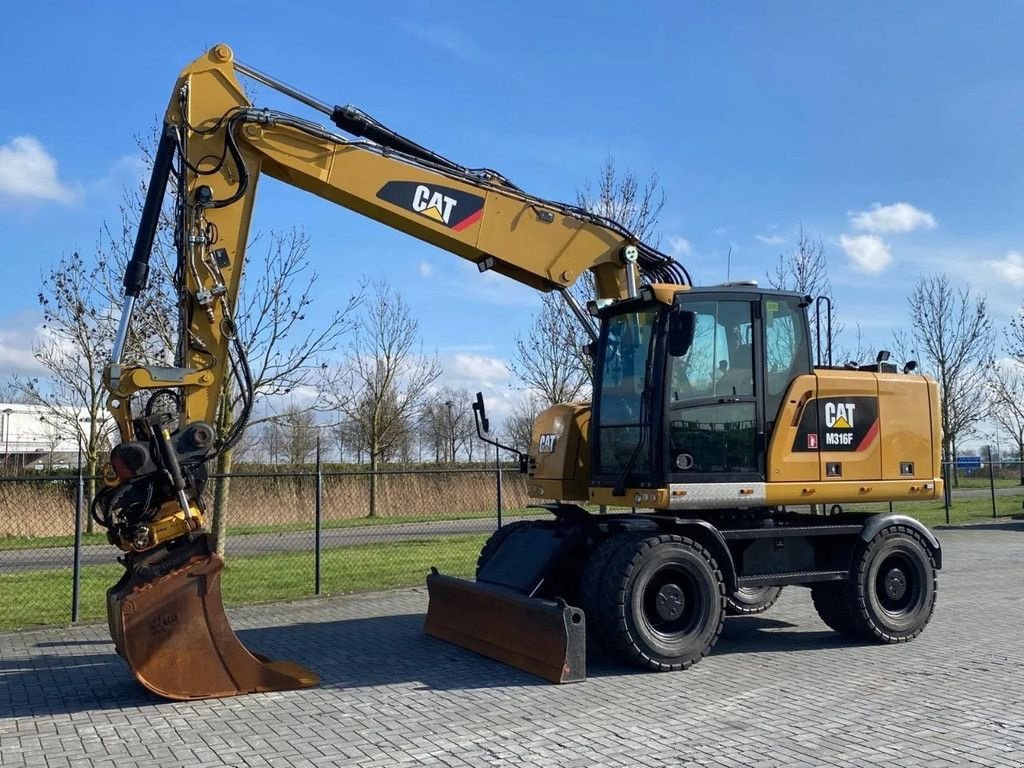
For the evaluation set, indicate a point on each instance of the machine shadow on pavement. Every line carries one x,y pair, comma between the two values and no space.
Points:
348,653
762,634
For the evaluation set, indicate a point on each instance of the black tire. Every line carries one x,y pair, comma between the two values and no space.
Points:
661,603
496,539
894,586
891,595
592,585
746,601
832,602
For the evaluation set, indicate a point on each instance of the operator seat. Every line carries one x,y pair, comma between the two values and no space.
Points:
739,379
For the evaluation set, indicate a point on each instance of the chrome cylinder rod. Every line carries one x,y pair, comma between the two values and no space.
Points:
284,88
122,330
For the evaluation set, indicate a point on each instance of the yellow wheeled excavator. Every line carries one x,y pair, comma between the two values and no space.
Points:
709,432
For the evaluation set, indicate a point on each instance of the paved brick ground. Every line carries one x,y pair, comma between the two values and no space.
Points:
780,690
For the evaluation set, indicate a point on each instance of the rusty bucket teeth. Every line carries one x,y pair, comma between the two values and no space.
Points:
543,637
169,625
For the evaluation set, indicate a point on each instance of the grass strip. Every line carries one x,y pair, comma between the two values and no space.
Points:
44,597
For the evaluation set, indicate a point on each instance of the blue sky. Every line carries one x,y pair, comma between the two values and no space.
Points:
757,118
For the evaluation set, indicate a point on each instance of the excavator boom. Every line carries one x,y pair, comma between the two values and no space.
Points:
166,615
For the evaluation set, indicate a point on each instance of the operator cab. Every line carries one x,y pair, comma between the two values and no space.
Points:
689,391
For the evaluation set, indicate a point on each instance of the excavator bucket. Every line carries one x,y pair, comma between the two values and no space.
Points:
546,638
169,625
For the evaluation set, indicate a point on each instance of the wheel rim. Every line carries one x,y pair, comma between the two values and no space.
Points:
672,603
898,583
753,594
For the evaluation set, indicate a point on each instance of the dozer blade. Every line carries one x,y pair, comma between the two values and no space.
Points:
543,637
170,626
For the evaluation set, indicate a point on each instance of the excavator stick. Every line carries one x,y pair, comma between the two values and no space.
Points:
168,623
546,638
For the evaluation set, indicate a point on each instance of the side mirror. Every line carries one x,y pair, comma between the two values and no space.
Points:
478,406
681,326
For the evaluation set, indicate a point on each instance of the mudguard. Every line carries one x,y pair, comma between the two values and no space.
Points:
877,522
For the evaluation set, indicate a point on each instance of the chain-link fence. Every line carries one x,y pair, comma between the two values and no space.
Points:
309,532
289,535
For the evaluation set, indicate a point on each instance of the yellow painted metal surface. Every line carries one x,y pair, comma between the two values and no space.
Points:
560,453
783,463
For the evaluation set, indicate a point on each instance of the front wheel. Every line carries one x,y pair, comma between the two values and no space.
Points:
661,602
747,601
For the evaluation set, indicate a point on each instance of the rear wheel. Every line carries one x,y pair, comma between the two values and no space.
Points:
661,602
747,601
891,595
894,586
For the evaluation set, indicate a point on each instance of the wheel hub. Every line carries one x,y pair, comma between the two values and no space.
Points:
670,602
895,584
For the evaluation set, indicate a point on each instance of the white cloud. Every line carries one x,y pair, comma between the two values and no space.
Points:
18,334
1010,268
868,253
898,217
426,269
29,172
772,239
479,368
679,246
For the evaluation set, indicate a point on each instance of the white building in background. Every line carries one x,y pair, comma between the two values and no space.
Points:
32,436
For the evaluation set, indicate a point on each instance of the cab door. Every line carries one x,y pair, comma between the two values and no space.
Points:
714,406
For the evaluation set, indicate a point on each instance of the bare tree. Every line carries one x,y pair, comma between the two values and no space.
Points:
547,361
296,429
518,426
805,269
446,424
284,350
385,378
12,392
552,358
634,204
953,334
79,324
345,433
1006,394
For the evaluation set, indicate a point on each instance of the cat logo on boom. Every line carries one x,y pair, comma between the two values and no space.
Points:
453,208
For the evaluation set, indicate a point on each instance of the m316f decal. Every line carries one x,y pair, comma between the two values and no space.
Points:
838,424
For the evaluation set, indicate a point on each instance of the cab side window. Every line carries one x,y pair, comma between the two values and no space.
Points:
786,350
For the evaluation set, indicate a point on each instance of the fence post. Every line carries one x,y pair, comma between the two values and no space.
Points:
318,517
992,482
946,490
497,466
76,564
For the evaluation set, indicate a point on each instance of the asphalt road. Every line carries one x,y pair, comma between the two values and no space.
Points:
254,543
